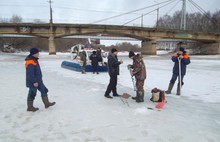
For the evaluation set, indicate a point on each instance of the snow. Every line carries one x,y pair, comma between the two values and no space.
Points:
83,114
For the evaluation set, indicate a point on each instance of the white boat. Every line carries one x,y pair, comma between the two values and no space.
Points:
76,62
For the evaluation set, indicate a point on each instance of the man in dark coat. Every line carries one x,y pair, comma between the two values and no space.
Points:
185,60
139,71
99,54
113,70
94,62
34,80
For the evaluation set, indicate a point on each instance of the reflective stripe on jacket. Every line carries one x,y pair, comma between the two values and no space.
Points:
184,62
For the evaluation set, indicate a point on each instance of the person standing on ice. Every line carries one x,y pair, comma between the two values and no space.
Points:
34,81
113,70
139,71
99,54
185,60
83,59
94,61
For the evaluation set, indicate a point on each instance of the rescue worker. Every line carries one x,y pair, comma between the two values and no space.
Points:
139,71
34,81
185,60
94,62
83,59
113,70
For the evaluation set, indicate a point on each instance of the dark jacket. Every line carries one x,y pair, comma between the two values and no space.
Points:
113,64
185,61
99,55
94,58
138,66
33,72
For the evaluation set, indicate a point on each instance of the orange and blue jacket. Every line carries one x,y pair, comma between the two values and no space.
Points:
33,71
184,62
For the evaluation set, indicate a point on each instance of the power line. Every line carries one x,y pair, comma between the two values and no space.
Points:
89,10
130,12
192,8
16,5
172,8
203,12
148,13
139,17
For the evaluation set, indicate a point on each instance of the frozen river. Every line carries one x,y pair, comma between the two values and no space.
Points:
83,114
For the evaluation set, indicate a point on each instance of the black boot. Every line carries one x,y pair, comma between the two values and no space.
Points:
116,95
108,96
134,98
47,103
140,97
31,107
169,88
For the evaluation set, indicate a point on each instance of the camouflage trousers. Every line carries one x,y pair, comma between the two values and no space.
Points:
140,86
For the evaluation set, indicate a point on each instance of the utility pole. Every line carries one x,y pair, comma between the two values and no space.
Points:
183,16
52,46
219,29
157,17
142,20
51,16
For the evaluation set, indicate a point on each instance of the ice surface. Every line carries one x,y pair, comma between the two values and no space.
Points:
82,114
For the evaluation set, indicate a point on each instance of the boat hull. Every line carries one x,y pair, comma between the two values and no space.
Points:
77,67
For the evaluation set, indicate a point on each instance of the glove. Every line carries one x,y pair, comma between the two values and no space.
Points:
129,66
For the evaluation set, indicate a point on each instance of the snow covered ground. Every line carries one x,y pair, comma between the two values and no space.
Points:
83,114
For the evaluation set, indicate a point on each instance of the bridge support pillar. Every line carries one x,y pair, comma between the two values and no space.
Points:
148,47
52,45
211,48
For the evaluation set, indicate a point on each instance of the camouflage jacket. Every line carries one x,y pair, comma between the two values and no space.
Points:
138,66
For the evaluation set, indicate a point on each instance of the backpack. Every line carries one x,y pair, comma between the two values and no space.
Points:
157,95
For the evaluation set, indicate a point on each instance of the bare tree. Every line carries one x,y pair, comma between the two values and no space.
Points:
16,19
3,20
194,21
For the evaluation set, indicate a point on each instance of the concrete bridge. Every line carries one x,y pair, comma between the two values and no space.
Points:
148,36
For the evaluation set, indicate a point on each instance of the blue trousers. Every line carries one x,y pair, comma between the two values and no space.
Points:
174,77
33,92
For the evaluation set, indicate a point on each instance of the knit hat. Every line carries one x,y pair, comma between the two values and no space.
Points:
131,54
114,50
181,49
34,51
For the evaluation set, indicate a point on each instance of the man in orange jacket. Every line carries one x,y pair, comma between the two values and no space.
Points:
34,80
185,60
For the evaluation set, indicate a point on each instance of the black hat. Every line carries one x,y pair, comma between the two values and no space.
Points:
181,49
114,50
93,52
131,54
34,51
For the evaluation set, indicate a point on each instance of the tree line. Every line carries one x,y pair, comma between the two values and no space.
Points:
18,19
210,22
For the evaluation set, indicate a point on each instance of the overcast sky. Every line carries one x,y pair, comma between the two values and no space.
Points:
90,11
